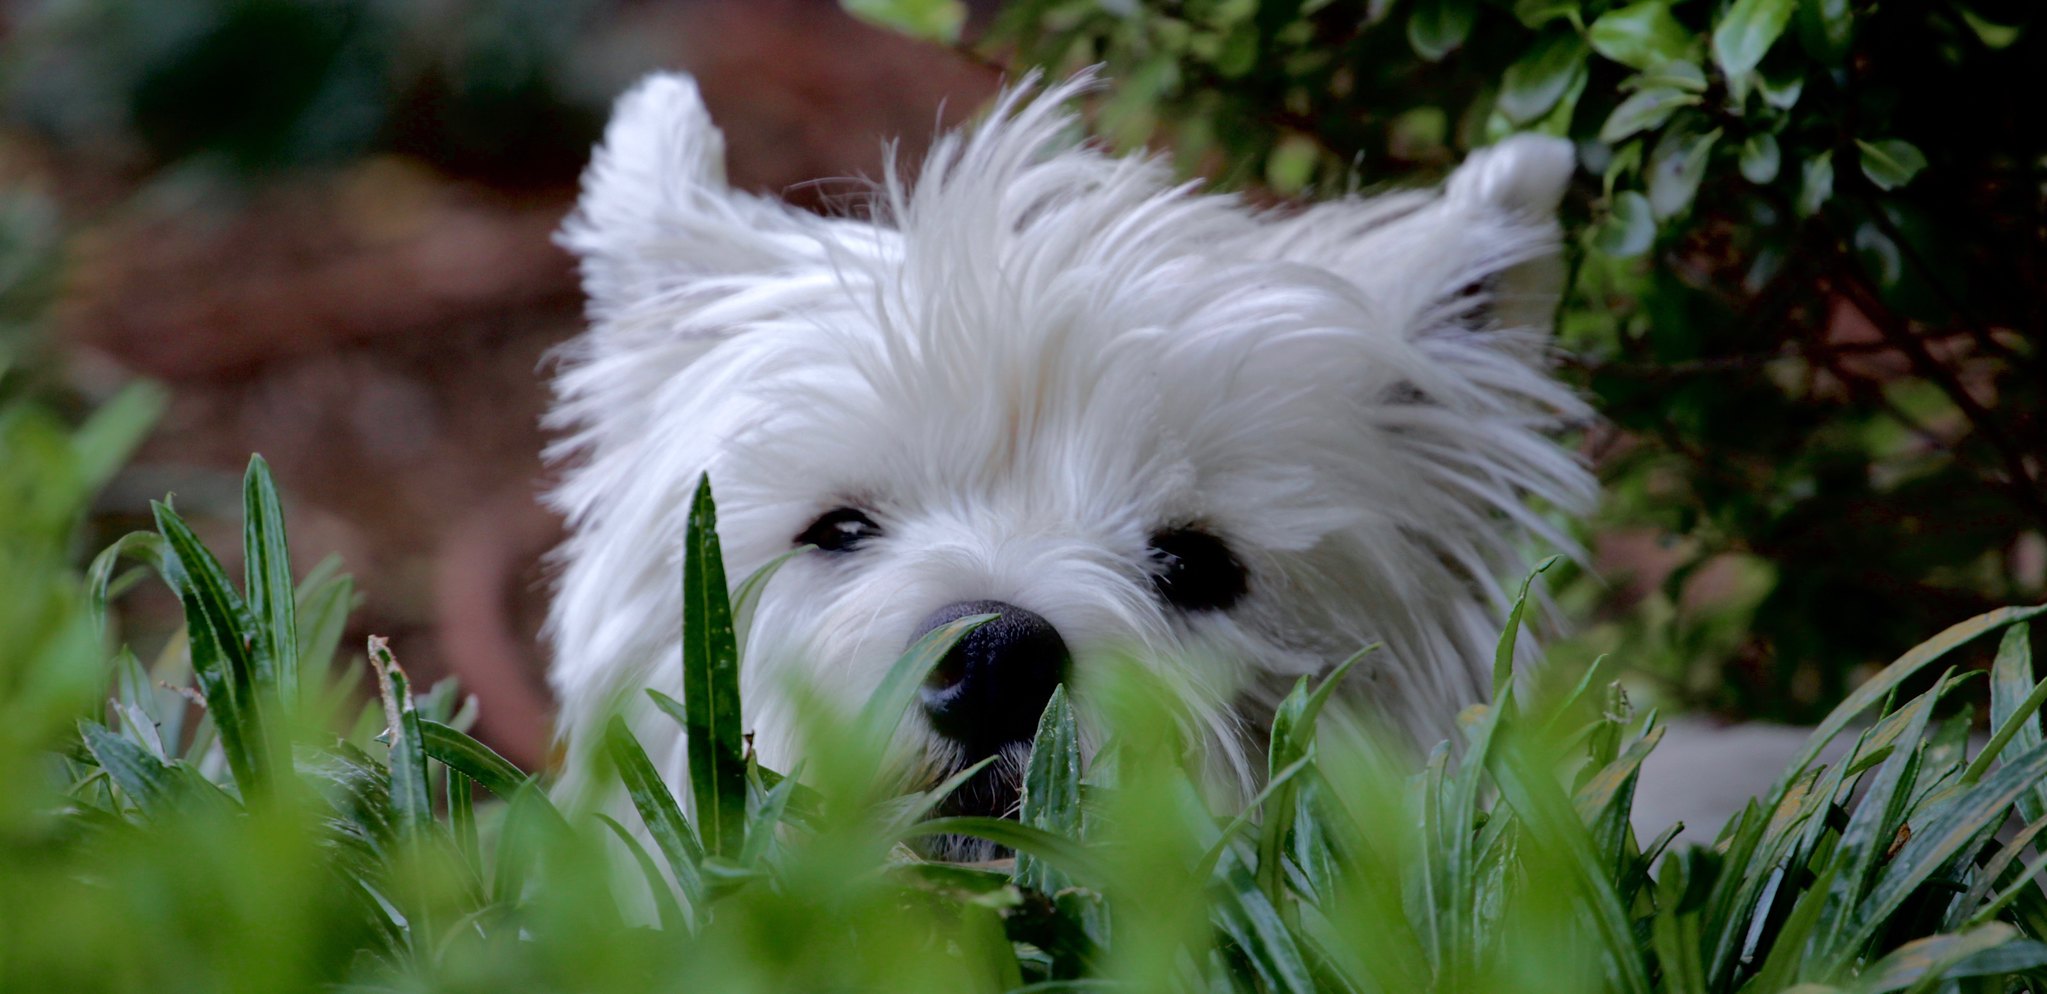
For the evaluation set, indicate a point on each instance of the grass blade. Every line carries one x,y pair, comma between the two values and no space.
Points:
1870,830
1211,858
658,811
462,821
761,828
891,698
1063,854
325,598
1503,654
1244,913
1953,829
145,546
713,726
1552,824
222,646
479,762
1901,669
2013,722
665,907
1945,956
1051,789
273,602
145,779
748,595
411,803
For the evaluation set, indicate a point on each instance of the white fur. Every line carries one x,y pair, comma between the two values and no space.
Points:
1033,357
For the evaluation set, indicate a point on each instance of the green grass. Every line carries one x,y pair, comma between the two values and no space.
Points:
222,818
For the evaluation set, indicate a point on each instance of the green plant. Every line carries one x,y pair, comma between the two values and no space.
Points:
1805,270
220,823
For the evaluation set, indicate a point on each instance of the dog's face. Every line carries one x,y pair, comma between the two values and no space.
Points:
1045,385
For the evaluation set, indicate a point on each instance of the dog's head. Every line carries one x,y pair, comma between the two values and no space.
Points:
1048,384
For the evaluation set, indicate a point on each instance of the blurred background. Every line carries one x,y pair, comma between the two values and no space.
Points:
1805,278
325,227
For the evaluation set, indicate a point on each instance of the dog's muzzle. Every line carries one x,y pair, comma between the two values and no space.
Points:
989,690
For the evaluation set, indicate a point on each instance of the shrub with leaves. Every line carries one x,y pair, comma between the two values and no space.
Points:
226,820
1806,254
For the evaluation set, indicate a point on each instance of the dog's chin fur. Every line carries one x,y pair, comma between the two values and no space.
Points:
1021,366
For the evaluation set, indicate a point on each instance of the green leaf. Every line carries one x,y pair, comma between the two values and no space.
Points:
1628,229
749,593
1871,827
884,709
665,907
1879,687
1437,27
325,597
273,600
713,728
1993,873
462,821
1949,830
1552,825
1536,13
1640,35
928,20
1293,724
1243,820
1890,163
1063,854
1676,165
1760,158
146,546
1503,652
1643,110
1816,185
146,780
767,820
2013,701
1744,35
411,804
1781,91
1051,789
223,643
961,883
1535,81
1944,956
478,762
1826,29
913,807
530,830
1249,917
1603,802
658,811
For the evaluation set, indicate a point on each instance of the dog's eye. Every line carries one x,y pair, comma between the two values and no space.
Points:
1196,571
839,530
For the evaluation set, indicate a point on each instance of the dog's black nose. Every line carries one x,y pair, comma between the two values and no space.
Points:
991,688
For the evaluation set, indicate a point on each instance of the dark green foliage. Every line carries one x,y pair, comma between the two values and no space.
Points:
489,87
1806,270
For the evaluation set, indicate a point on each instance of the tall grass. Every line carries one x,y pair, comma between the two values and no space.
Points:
221,818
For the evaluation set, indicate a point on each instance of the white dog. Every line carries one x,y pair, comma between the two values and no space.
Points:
1048,383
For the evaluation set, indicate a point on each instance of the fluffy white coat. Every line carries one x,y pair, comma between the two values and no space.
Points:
1022,365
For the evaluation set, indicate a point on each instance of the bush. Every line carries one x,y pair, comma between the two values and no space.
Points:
1806,266
220,824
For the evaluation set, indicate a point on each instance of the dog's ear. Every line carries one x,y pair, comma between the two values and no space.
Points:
1480,253
656,213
